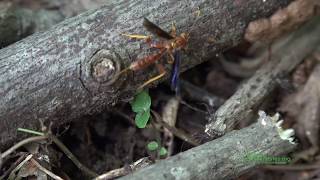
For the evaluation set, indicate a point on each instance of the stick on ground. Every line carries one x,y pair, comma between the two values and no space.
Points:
225,157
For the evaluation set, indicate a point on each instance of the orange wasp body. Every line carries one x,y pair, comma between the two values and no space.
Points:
173,44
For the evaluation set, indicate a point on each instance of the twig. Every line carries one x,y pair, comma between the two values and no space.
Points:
69,154
14,165
180,134
12,174
113,174
21,143
143,162
56,141
51,174
169,116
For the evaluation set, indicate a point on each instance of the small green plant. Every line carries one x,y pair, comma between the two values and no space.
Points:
141,106
163,151
154,146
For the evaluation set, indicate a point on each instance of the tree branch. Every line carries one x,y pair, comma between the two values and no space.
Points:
69,71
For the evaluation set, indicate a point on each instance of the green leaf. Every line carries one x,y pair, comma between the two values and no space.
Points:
141,102
153,145
163,151
142,118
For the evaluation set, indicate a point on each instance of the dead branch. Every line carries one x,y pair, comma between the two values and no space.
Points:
22,143
249,97
49,173
70,71
141,163
223,158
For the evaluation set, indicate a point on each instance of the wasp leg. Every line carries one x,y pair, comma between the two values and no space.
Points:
138,36
162,73
135,36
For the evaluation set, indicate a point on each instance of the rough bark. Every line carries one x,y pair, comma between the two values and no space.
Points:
223,158
251,94
69,71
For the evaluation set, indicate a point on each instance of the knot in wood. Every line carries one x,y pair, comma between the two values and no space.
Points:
104,67
103,70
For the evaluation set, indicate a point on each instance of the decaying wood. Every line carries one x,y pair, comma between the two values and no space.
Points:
223,158
69,71
250,96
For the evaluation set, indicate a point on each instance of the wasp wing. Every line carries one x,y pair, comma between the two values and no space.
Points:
175,82
151,27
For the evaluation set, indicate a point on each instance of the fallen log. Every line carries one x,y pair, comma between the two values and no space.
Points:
70,70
